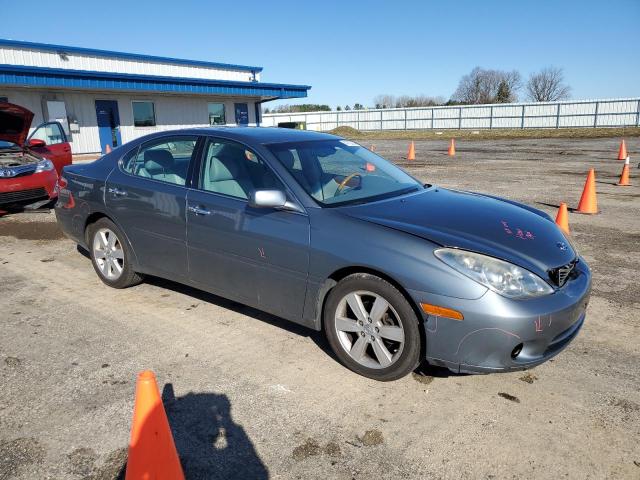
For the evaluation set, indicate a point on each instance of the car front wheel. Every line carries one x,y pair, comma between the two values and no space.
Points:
110,255
372,328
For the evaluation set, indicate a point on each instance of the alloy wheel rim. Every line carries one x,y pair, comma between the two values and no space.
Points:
108,253
369,329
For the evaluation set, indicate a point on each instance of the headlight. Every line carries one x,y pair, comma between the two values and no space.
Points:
502,277
44,166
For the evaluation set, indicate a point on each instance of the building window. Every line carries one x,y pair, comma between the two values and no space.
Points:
144,114
216,114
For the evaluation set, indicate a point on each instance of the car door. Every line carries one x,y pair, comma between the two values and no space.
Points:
256,256
56,147
146,194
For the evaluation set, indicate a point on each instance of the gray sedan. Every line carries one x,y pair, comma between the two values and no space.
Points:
325,233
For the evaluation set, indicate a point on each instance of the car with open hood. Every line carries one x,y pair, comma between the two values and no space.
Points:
323,232
29,164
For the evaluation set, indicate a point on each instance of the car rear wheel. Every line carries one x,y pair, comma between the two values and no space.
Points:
110,255
372,328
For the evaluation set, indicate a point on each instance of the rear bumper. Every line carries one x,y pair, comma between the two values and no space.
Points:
28,189
499,334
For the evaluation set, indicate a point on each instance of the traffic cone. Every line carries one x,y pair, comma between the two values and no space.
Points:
152,453
562,219
588,203
452,148
624,176
622,152
107,149
412,151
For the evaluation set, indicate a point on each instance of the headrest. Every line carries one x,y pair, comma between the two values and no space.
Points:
287,158
158,160
223,168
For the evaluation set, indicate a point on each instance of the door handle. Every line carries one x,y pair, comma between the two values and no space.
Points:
117,192
198,210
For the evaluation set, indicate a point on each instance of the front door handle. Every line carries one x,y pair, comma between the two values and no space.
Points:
117,192
198,210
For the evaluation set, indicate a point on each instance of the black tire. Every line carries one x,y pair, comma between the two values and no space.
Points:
128,277
409,356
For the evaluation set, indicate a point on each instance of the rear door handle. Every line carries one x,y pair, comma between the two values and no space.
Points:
117,192
198,210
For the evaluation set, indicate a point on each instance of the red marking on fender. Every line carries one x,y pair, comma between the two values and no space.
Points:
538,324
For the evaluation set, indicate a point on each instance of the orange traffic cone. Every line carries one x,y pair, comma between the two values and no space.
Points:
622,152
562,219
452,148
152,453
624,176
107,149
412,151
588,203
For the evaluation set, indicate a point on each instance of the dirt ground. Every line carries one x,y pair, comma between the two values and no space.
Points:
250,396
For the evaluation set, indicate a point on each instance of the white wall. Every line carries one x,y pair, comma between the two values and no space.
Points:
586,113
172,112
74,61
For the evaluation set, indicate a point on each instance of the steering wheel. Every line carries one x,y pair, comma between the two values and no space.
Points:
344,182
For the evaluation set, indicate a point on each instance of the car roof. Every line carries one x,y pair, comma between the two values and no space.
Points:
262,135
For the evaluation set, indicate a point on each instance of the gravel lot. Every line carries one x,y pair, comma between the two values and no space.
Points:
250,396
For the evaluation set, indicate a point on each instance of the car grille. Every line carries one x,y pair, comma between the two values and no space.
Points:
18,171
560,275
22,196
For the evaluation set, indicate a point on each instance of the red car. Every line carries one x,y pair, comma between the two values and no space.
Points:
29,166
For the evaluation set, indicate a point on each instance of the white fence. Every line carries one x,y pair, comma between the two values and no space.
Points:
622,112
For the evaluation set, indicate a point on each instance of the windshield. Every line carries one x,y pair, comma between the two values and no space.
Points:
336,172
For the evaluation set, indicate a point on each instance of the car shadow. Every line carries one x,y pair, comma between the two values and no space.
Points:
316,337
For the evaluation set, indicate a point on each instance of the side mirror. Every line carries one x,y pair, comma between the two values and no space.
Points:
267,199
36,142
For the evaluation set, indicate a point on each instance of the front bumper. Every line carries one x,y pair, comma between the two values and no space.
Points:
27,189
499,334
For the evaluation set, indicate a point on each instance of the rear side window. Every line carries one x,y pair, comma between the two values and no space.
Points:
166,160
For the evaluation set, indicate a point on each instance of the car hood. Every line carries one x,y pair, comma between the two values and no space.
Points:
489,225
14,123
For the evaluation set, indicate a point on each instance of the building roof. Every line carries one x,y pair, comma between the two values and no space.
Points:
130,56
14,75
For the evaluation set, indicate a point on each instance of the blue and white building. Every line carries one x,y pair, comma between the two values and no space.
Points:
109,98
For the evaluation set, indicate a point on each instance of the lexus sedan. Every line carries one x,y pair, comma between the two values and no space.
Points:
325,233
29,165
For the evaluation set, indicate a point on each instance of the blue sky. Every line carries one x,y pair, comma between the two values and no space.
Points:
350,51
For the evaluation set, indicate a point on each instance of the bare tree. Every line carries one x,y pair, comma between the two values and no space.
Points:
384,101
548,86
482,86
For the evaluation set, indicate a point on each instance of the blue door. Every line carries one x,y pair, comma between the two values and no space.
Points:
108,123
242,114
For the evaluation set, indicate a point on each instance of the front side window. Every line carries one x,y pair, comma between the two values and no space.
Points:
217,114
166,160
336,172
49,133
144,114
232,169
